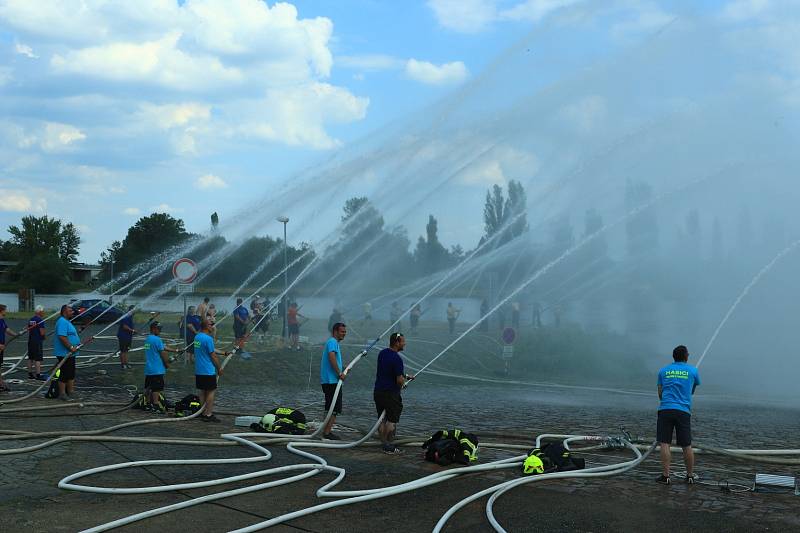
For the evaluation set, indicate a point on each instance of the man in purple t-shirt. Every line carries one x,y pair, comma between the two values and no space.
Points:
390,378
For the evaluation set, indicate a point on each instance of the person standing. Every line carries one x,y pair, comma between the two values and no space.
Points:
394,313
193,323
452,316
367,313
515,315
202,308
36,335
484,312
294,326
240,319
390,377
65,348
676,385
331,370
413,317
211,316
207,367
156,362
125,334
4,329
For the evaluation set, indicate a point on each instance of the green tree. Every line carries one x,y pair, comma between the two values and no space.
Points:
507,215
45,272
38,235
430,256
149,236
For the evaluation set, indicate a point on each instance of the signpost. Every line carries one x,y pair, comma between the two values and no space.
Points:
509,335
184,271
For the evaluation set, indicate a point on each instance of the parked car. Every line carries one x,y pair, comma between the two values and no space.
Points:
103,312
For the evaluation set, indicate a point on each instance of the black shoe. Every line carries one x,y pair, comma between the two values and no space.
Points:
664,480
30,375
331,436
209,418
691,480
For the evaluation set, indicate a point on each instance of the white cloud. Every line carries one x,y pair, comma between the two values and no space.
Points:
586,113
744,9
534,10
370,62
60,137
467,16
643,17
499,165
132,211
19,202
166,208
210,181
25,50
175,115
431,74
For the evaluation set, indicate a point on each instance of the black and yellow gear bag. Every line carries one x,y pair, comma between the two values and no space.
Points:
142,402
188,405
552,457
451,446
52,390
283,420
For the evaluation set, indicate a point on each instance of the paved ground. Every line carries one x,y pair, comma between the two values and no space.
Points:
31,501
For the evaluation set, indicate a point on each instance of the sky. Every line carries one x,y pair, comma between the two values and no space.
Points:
113,110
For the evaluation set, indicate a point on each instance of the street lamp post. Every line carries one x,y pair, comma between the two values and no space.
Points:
285,220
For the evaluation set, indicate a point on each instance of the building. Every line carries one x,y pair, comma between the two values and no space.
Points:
80,272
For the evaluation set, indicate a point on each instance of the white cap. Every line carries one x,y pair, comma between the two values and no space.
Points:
39,308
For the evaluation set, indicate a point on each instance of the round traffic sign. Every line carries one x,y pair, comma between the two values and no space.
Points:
184,270
509,335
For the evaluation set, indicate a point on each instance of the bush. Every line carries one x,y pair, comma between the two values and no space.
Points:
45,272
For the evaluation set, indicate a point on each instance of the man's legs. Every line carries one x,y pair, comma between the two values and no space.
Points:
666,457
387,430
329,426
70,387
688,458
209,400
123,358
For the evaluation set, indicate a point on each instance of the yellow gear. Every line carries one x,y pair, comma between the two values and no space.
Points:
533,465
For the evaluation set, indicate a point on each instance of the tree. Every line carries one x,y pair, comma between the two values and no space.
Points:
45,272
108,260
44,234
430,255
516,205
494,214
506,215
149,236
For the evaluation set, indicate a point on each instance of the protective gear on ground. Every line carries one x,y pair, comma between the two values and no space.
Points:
284,420
451,446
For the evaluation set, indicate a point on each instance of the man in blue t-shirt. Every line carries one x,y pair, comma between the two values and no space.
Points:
240,318
125,334
156,363
3,330
192,328
676,384
207,367
36,334
331,370
390,377
65,348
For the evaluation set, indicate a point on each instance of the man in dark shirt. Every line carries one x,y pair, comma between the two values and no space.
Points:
390,378
36,336
125,334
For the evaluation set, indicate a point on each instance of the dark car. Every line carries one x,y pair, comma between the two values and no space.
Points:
92,311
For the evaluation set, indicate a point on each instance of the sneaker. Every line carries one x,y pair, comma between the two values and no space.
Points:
664,480
209,418
30,375
391,449
72,397
331,436
692,479
66,398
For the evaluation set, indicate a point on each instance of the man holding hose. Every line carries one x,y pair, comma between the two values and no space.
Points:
207,367
331,371
65,348
390,378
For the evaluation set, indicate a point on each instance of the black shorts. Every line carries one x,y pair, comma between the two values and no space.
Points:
2,352
329,389
239,330
154,383
124,344
67,369
206,382
391,402
294,329
35,351
680,422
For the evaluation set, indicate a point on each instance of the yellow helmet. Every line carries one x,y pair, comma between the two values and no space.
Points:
533,465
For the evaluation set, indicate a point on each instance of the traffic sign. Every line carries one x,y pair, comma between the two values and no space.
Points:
509,334
508,352
184,288
184,270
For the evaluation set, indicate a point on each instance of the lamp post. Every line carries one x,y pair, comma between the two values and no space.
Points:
285,220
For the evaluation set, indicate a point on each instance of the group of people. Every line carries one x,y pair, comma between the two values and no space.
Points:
390,378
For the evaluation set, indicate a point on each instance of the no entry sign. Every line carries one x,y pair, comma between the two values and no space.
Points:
509,335
184,270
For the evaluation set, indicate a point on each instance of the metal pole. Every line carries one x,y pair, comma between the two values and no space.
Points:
185,331
112,278
285,284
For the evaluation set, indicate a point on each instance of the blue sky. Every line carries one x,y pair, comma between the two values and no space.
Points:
113,110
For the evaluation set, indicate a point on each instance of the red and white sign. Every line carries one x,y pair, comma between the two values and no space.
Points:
184,270
509,335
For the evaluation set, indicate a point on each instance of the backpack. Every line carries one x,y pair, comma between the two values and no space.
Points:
451,446
556,458
284,420
189,405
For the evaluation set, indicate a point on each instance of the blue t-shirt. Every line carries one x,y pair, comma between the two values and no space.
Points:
677,382
64,328
203,347
242,313
194,320
390,365
327,374
123,333
153,364
35,327
3,328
